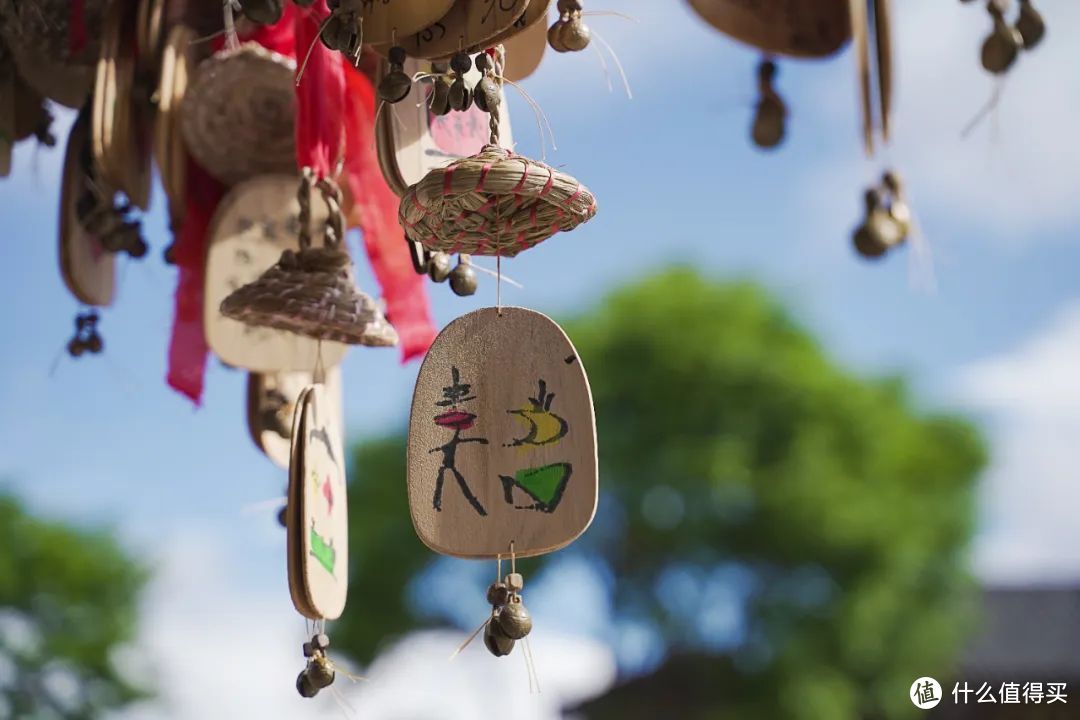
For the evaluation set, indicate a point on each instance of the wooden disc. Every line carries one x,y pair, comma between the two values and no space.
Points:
271,404
177,64
502,438
469,25
411,140
254,223
525,48
320,531
294,517
87,269
390,21
797,28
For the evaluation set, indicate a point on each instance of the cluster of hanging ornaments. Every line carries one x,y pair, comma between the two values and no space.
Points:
1002,46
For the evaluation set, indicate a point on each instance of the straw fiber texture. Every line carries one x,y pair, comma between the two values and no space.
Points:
237,117
312,293
493,203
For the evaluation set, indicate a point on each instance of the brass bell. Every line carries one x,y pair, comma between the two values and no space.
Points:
321,672
304,686
498,594
768,128
1030,25
514,620
1001,47
395,86
496,641
575,35
879,231
439,267
440,96
463,278
263,12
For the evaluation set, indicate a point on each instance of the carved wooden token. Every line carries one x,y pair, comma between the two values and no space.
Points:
390,21
322,526
798,28
294,516
271,405
525,48
88,270
256,221
469,25
412,141
502,439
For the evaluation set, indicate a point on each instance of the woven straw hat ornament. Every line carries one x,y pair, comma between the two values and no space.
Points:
237,116
312,292
39,35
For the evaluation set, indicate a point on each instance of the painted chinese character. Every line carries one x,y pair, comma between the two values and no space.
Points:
1055,692
1033,693
957,691
458,420
544,485
924,693
986,694
1010,693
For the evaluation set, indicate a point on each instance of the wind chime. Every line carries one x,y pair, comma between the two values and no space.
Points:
1002,46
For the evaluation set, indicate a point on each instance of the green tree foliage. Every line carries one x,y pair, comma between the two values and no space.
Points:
734,453
67,600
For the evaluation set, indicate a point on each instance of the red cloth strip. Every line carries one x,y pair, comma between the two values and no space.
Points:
320,95
187,348
77,27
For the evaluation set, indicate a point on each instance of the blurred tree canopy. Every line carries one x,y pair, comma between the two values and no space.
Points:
736,457
67,601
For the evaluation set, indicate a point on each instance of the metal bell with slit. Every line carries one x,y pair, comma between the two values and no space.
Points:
496,641
1030,25
514,619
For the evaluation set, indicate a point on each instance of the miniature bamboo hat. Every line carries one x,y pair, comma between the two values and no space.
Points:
40,37
312,292
493,203
798,28
237,116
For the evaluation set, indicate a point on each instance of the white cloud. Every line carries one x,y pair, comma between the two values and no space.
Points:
218,651
1032,490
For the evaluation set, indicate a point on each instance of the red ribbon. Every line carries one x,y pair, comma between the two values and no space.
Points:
188,349
77,27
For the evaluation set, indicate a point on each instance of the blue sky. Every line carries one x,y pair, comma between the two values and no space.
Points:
103,439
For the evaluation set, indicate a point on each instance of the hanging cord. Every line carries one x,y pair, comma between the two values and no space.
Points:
231,6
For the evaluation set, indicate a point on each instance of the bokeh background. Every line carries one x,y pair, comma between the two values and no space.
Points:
821,477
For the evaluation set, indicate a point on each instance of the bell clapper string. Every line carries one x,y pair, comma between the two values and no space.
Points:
311,47
988,108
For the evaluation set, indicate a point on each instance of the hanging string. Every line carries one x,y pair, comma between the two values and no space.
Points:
231,41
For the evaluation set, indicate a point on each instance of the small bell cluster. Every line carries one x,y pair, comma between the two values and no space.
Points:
771,112
319,673
569,33
343,30
111,224
888,218
87,338
463,280
510,620
1004,43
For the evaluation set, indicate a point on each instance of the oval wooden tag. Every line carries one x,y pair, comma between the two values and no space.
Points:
525,47
799,28
256,221
271,405
469,25
319,532
390,21
88,270
502,438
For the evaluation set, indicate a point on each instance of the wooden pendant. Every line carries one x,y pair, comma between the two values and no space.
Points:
797,28
470,25
392,21
88,270
170,153
525,48
256,221
271,406
502,438
317,523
